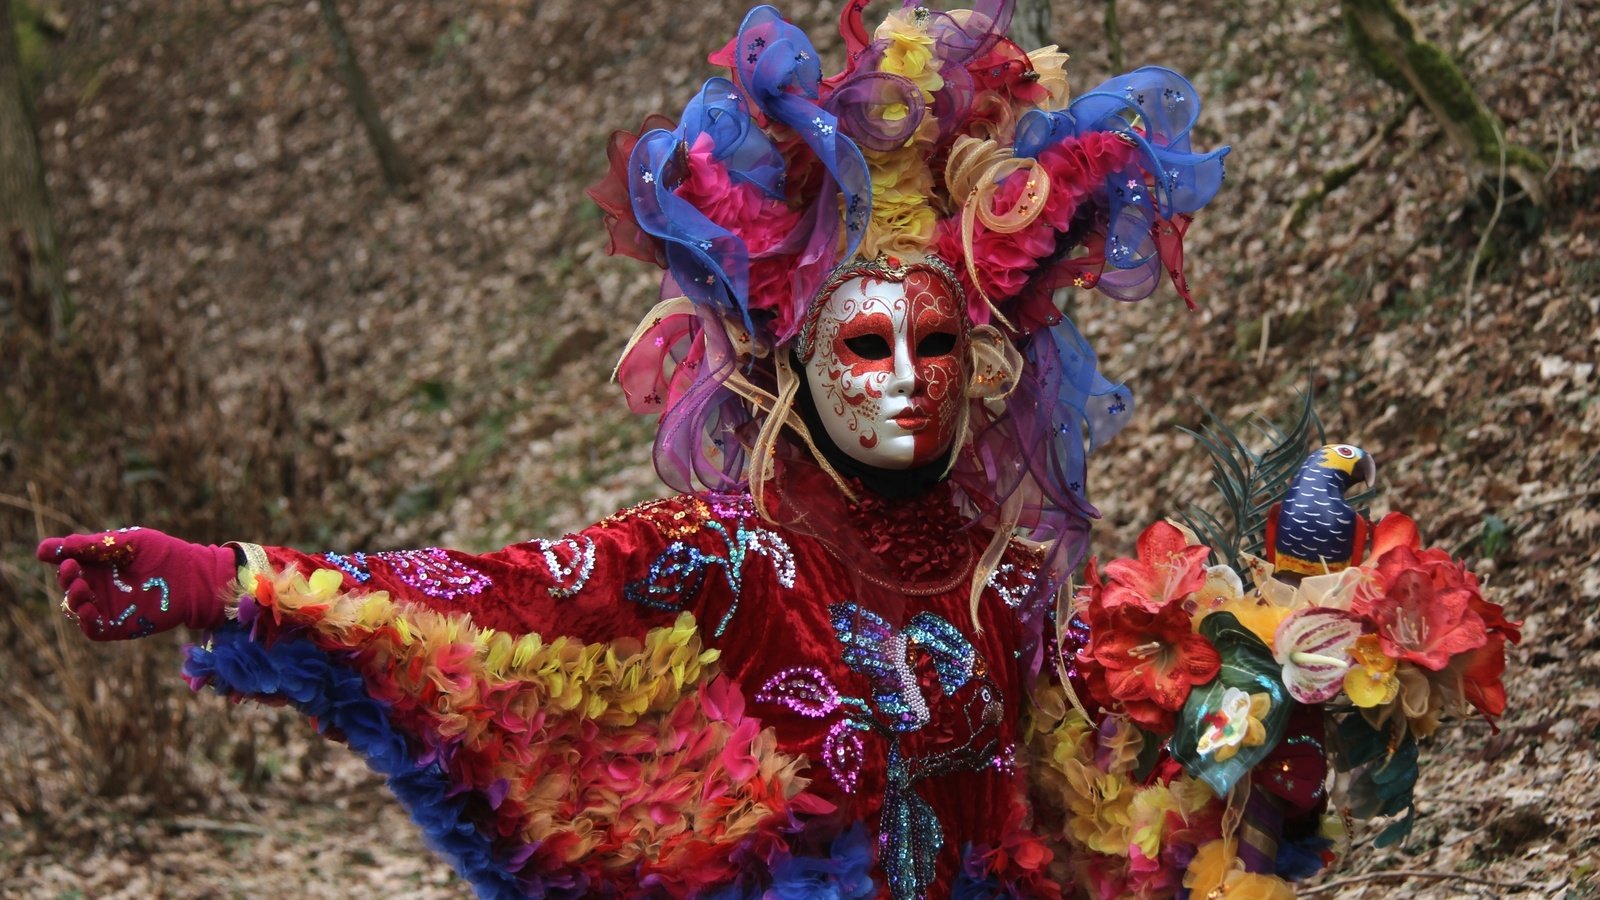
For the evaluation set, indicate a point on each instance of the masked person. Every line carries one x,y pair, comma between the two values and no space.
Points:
808,673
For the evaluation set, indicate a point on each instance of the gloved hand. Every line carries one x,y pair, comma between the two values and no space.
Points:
135,581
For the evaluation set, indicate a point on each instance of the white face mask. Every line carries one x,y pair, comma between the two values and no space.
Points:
888,369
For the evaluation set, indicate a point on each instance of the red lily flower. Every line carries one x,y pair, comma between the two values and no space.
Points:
1168,568
1418,618
1151,659
1480,677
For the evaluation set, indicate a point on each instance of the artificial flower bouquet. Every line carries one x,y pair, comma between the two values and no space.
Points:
1204,707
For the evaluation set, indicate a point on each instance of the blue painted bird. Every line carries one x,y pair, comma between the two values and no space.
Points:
1315,530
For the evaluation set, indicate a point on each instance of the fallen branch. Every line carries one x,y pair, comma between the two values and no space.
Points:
1432,876
1340,175
192,823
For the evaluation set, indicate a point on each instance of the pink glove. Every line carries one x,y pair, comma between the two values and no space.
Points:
134,581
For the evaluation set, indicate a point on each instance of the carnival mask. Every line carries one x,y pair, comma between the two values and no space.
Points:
887,368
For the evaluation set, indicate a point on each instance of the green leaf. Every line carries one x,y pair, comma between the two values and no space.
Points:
1247,665
1384,781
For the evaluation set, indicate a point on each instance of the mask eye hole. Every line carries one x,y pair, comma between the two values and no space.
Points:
869,346
1345,451
939,343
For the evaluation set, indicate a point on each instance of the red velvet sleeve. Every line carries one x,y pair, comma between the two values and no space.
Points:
594,584
551,713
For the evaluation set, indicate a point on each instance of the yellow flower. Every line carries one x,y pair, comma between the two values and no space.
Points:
1148,815
1262,618
1099,807
1122,746
1371,681
1216,874
909,50
1236,723
1208,869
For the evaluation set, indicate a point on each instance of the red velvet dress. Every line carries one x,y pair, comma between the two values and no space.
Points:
681,700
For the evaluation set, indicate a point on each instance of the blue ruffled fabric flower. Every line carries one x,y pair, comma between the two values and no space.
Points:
1302,858
298,671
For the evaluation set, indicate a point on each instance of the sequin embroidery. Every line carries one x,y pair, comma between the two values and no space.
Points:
910,836
434,572
1012,583
678,573
570,561
354,565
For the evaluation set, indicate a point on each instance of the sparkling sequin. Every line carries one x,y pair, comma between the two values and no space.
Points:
678,573
118,583
1012,583
573,572
910,835
675,576
843,752
125,615
1005,762
803,689
165,589
434,572
354,565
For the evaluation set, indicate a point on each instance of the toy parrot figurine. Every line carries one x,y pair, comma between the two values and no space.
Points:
1314,530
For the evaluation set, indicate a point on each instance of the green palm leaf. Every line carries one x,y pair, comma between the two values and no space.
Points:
1249,482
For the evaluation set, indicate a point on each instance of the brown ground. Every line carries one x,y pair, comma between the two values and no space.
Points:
271,347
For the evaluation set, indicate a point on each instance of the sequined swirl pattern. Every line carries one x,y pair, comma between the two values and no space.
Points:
431,571
570,561
1012,583
910,836
680,571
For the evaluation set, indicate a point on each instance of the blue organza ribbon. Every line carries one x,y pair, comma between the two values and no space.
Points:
778,66
710,263
1153,109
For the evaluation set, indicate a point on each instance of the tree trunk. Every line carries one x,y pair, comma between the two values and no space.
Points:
32,269
1386,40
1030,24
397,173
1113,37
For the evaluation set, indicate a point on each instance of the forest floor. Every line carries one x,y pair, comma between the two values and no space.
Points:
272,347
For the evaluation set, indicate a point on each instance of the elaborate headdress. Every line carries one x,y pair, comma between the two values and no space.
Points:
941,138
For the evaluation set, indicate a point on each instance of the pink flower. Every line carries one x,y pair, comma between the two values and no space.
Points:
1167,569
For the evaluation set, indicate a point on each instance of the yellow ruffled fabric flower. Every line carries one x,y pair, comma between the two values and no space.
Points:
902,218
1099,808
908,53
1216,874
1371,681
1148,818
1120,746
1051,65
